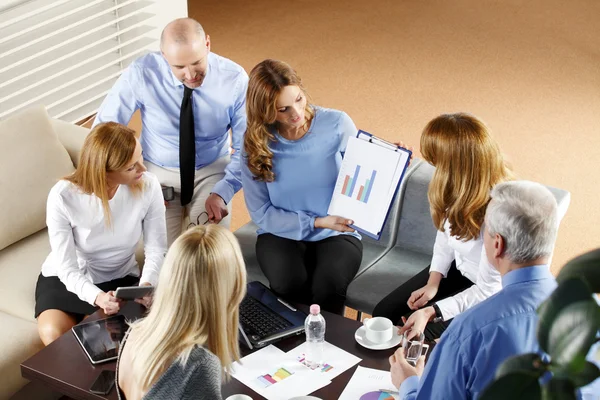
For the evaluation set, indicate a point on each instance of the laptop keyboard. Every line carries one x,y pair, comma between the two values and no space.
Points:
259,320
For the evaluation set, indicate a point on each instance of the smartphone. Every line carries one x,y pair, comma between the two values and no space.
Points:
133,292
103,383
168,193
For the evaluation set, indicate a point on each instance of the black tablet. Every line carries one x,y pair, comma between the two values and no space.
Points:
100,339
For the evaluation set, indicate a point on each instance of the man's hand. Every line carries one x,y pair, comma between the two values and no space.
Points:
401,369
216,208
421,297
108,302
417,321
335,223
146,301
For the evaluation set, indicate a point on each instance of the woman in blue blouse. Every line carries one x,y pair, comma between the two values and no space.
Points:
292,154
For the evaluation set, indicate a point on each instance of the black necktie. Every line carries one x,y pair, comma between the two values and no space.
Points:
187,147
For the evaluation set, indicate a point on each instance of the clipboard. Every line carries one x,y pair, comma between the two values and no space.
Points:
366,136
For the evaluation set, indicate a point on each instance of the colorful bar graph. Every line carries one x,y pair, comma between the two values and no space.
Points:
370,186
361,197
269,379
350,183
345,184
360,193
326,368
364,191
356,171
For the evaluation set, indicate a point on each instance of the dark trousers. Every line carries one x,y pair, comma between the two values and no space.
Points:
310,272
394,306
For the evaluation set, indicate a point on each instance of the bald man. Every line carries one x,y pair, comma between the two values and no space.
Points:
189,96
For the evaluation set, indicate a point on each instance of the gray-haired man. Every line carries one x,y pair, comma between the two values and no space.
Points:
521,223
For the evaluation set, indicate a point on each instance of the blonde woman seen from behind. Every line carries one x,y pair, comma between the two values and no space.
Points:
190,334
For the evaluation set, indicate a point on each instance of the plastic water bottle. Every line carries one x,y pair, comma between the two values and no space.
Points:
314,327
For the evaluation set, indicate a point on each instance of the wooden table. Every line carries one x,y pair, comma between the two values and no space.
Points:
64,367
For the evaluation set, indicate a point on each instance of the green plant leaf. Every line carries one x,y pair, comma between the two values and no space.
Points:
573,332
570,291
559,389
586,267
530,364
587,375
513,386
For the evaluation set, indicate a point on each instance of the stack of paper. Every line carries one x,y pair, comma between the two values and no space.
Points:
277,375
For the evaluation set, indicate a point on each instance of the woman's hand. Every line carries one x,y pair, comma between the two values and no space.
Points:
146,301
421,297
108,302
335,223
411,149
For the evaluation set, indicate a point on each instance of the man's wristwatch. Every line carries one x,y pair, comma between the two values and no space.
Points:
438,314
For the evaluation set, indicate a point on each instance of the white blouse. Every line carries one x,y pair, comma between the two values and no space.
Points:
472,262
85,251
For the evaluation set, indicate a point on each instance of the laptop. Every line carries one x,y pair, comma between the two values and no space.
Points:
265,318
101,339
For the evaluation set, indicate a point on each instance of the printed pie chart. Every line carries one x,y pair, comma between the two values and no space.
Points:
379,395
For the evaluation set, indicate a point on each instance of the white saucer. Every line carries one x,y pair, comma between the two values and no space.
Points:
306,398
364,342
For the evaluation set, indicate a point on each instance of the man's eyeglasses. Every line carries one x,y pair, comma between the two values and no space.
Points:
202,215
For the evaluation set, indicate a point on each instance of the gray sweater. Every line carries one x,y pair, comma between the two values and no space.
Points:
200,378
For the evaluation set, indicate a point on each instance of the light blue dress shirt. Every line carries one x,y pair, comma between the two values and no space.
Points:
305,174
481,338
219,104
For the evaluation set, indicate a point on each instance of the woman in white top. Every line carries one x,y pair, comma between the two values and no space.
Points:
95,218
468,164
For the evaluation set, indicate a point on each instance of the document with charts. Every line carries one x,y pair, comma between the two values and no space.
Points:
368,181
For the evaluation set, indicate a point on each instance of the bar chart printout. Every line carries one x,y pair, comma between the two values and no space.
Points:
270,379
365,190
350,183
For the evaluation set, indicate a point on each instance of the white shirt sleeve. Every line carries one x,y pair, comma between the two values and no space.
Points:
155,234
443,253
489,282
62,243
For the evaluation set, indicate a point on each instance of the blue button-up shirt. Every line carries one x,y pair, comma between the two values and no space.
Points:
480,339
219,104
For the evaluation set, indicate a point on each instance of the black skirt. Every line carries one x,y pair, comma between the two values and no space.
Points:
52,294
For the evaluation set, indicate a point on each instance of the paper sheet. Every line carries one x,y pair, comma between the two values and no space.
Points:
271,373
366,183
335,360
370,384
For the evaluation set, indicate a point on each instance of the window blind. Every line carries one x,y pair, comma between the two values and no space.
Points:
67,54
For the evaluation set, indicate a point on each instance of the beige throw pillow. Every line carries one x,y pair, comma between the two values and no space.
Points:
32,159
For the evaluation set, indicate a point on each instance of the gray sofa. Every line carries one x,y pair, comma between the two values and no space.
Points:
405,247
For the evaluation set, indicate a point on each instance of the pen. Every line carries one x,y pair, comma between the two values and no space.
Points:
286,304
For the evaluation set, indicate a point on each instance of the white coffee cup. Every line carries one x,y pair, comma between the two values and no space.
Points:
378,329
239,397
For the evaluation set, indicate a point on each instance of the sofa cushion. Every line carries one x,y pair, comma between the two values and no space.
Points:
20,341
32,159
20,265
71,136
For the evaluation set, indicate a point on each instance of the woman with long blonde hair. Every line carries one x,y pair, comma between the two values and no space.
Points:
95,218
468,164
190,334
292,155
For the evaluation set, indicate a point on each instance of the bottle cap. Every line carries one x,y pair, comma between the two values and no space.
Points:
315,309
